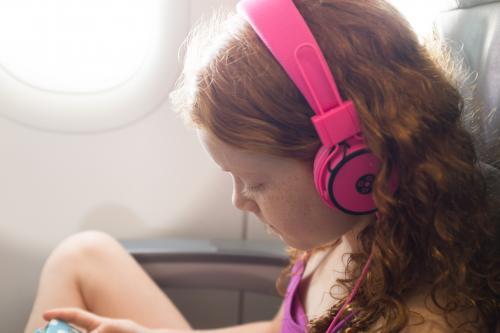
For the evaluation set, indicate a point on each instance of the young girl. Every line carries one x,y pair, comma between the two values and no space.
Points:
412,249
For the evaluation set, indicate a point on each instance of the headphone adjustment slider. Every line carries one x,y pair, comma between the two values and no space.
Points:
337,124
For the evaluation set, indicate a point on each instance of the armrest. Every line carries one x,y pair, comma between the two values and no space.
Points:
218,263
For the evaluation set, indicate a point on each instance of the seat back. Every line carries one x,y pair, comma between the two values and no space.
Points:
472,29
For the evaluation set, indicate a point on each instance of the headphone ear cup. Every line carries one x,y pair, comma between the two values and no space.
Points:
344,176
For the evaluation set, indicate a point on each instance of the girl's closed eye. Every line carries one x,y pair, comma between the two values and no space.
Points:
251,190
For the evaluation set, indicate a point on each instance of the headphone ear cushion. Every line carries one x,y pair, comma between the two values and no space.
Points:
320,164
344,177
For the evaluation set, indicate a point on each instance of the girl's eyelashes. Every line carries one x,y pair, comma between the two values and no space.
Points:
247,190
250,190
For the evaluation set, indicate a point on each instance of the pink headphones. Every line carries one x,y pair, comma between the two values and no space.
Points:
344,167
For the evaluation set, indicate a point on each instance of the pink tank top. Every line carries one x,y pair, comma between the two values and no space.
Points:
294,317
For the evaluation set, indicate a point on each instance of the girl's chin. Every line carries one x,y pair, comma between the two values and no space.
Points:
271,231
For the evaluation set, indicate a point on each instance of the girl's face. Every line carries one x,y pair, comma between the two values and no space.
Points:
281,193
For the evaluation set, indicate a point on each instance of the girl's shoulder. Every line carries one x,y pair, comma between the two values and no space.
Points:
322,270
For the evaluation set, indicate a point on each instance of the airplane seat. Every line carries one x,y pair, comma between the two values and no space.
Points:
472,28
190,270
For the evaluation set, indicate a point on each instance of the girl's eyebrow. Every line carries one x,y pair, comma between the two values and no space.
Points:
241,172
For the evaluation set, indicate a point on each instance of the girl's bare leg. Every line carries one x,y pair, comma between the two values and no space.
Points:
92,271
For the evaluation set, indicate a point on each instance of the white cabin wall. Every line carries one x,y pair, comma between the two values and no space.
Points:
150,178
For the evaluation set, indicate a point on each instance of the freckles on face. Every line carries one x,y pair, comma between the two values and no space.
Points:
299,214
290,210
288,201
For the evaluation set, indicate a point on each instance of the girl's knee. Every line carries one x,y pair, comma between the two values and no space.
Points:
82,247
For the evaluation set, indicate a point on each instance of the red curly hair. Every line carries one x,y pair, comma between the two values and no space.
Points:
439,229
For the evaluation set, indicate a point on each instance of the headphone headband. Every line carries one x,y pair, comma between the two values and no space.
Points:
303,61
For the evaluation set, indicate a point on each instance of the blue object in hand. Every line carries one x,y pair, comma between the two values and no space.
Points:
57,326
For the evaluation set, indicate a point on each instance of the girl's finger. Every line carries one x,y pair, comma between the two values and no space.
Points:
76,316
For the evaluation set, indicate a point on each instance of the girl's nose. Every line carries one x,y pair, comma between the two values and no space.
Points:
239,200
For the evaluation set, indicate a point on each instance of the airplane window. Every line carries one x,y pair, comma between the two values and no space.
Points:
76,46
88,65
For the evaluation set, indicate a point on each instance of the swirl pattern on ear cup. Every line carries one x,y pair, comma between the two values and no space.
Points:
344,176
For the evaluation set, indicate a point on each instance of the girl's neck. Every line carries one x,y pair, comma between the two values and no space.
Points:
349,240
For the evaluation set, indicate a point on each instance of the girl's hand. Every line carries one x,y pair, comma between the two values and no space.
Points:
93,323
